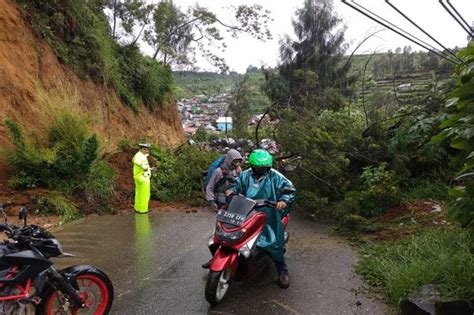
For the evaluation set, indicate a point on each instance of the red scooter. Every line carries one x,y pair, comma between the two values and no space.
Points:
235,254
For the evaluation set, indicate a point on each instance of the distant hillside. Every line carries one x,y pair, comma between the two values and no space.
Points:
209,83
407,77
203,83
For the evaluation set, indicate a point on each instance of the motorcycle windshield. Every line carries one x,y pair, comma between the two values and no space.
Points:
241,205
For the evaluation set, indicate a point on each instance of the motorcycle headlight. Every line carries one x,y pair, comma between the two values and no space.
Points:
228,236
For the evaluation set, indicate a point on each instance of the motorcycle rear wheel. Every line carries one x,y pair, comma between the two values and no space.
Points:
95,289
217,285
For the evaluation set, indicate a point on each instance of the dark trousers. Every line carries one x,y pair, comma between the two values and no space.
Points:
281,267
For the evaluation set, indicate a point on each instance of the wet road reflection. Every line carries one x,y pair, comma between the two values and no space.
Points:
155,260
143,246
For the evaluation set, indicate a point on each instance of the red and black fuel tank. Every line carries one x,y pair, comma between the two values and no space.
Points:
27,257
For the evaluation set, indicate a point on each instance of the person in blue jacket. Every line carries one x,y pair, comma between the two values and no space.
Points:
261,181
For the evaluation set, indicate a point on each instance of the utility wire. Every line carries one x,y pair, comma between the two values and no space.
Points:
433,50
459,15
421,29
400,29
468,30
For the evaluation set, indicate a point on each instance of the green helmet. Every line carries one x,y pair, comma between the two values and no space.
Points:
260,158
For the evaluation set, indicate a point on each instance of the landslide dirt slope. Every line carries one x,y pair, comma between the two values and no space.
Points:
33,84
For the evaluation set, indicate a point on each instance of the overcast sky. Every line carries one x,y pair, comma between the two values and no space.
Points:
429,14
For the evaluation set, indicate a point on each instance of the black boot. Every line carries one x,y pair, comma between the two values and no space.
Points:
284,280
207,265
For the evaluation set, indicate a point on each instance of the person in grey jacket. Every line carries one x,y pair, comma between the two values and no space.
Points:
221,179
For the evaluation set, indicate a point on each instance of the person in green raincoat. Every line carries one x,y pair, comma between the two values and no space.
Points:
261,181
141,177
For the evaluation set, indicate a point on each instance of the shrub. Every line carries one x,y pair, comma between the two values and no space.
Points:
78,33
143,78
99,186
123,145
62,163
323,140
352,224
458,128
179,175
377,192
425,188
31,162
58,204
66,162
411,150
439,257
309,200
75,151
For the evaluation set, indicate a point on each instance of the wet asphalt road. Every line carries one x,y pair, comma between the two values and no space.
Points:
154,263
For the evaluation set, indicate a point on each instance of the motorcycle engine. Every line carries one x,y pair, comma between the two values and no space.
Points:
13,307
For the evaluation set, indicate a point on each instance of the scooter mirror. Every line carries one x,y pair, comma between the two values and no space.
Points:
23,214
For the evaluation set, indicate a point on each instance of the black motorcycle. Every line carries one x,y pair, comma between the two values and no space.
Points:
28,277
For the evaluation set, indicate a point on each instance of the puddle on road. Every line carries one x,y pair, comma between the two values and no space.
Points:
115,244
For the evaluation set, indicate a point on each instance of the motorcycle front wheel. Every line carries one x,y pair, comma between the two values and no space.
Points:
95,290
217,285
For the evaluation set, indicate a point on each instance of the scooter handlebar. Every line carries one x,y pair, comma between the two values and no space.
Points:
265,203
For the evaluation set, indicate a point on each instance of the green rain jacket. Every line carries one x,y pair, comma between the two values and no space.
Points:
270,187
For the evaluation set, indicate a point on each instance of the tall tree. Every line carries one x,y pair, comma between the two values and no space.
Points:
240,107
177,35
313,64
129,19
170,34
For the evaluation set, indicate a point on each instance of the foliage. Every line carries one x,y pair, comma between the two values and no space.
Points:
179,174
78,32
411,149
323,140
352,224
201,135
240,107
458,128
58,204
124,144
439,257
160,185
127,15
170,34
378,190
67,161
425,188
174,31
143,78
319,47
313,71
99,186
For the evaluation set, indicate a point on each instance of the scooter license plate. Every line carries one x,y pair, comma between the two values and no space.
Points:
230,217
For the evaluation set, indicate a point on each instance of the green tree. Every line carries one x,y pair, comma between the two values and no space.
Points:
313,64
130,15
240,108
176,35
